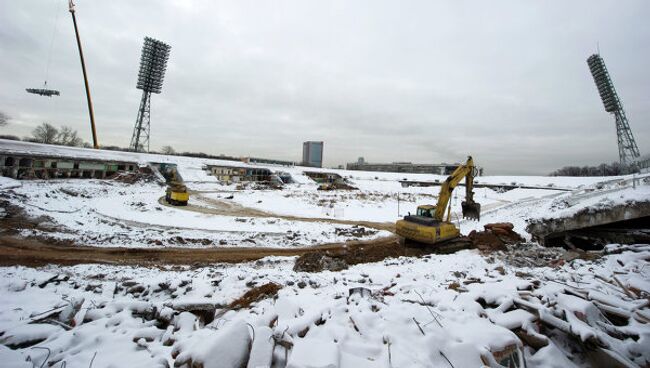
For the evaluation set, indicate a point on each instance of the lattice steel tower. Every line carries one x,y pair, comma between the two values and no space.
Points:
628,151
153,63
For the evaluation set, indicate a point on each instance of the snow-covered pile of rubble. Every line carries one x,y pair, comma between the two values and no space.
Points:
457,310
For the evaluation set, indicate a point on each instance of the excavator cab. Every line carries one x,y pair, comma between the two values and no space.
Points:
426,211
471,210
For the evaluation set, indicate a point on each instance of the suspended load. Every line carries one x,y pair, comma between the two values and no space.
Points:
43,91
46,91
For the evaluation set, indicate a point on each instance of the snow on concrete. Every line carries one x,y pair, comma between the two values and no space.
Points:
565,204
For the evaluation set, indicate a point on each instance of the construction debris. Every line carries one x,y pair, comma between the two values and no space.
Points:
253,295
355,231
142,175
317,262
534,255
593,227
496,236
602,322
337,185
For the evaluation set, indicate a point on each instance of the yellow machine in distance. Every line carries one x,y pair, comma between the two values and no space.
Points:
176,193
428,225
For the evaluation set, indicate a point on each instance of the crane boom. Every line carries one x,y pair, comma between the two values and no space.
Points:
83,68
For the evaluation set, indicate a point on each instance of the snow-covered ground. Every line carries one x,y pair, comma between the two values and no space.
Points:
111,213
385,203
380,198
457,310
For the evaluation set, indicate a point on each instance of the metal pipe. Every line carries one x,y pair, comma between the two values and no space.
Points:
83,68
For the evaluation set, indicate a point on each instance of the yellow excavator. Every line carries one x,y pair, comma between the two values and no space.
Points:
176,193
428,225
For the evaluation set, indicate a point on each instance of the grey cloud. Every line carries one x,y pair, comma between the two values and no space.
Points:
418,81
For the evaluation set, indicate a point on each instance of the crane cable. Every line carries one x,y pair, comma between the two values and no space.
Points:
49,54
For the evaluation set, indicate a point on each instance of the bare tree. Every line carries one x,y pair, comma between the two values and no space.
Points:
45,133
4,119
68,137
168,150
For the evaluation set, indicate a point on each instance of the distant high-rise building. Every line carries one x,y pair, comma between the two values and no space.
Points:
312,153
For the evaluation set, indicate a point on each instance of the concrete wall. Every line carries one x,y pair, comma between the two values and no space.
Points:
39,167
236,174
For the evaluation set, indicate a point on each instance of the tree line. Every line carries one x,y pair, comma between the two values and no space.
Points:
66,136
612,169
49,134
4,119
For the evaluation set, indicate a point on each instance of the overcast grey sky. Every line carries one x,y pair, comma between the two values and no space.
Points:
420,81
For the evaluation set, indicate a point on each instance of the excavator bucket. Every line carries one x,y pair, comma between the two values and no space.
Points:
471,210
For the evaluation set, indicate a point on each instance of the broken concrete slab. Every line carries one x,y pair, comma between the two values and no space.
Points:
546,231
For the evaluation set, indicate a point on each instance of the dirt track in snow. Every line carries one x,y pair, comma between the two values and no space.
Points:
226,208
36,252
15,250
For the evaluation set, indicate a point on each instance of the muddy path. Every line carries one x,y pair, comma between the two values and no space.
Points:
40,251
31,252
16,249
227,208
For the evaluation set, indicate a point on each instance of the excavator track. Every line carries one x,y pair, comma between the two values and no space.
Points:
445,247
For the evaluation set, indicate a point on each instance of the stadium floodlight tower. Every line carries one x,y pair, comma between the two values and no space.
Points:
153,63
628,152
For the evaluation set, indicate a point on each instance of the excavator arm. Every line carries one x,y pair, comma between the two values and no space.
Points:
428,226
470,208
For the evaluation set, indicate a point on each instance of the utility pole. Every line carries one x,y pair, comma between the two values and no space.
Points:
398,211
83,68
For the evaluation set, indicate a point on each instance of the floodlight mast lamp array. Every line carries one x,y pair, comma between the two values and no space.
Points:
628,151
153,63
83,68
